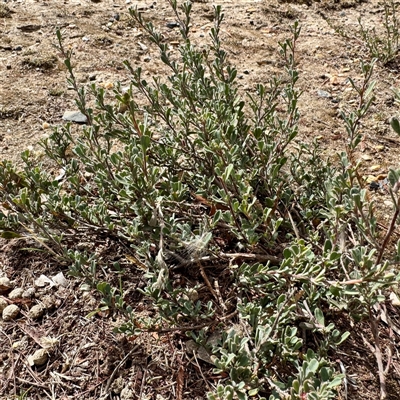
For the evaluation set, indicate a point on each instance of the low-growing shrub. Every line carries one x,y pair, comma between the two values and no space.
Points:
189,174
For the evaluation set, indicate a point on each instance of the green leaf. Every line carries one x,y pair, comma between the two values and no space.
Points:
313,366
10,235
395,124
319,316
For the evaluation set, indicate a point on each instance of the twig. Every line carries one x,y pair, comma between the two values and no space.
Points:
116,369
207,281
181,328
378,355
296,231
253,256
143,382
220,299
389,232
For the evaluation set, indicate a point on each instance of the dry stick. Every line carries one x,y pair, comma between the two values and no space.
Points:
296,231
201,371
206,280
143,382
220,299
389,232
116,369
252,256
378,355
12,362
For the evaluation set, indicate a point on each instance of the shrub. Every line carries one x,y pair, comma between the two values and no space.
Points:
196,175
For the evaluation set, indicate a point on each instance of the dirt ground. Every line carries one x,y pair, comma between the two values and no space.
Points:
87,360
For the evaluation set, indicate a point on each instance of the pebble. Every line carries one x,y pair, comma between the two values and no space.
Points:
323,93
147,59
366,157
143,46
172,25
75,116
394,299
16,293
28,293
38,358
85,39
36,311
376,167
10,312
45,125
5,284
127,393
17,48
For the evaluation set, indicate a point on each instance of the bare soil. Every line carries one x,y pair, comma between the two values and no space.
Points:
89,361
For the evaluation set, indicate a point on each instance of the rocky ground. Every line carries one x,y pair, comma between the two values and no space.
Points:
52,345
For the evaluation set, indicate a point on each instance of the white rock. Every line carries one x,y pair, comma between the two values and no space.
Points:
126,394
10,312
5,284
28,293
394,299
36,311
16,293
39,357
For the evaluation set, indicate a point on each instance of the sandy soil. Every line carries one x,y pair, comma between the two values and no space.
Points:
88,360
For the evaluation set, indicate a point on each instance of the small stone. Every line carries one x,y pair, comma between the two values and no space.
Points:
36,311
192,294
38,358
18,48
172,25
143,46
118,385
127,394
323,93
45,125
366,157
48,302
75,116
85,39
147,59
29,27
3,304
72,26
394,299
28,293
10,312
5,284
16,293
375,167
